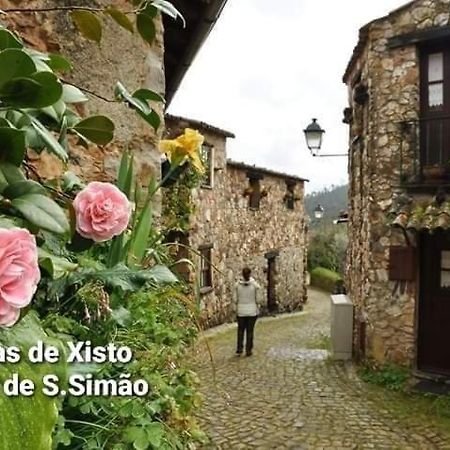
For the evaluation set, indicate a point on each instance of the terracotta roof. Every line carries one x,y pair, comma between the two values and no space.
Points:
262,170
420,215
364,35
200,124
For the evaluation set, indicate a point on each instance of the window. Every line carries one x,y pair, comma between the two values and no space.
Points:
205,267
289,198
207,157
255,194
435,109
436,80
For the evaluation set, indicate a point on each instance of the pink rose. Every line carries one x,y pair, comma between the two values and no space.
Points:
19,272
102,211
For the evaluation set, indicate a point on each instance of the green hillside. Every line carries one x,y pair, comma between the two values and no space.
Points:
333,200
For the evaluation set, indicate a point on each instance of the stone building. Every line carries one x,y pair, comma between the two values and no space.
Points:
121,56
399,163
245,216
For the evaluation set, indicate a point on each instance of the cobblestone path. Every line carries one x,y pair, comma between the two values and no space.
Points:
289,395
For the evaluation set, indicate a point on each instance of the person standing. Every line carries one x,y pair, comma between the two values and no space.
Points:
247,310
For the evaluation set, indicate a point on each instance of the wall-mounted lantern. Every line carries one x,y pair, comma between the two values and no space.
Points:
314,135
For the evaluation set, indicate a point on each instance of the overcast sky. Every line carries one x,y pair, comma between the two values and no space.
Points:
268,67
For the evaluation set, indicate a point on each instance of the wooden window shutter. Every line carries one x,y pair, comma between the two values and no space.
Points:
402,263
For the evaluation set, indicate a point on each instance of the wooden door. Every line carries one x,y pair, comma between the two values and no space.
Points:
271,285
435,105
434,304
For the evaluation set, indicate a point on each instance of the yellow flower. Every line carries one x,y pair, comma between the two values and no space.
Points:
187,145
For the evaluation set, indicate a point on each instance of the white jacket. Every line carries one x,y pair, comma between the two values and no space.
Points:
247,298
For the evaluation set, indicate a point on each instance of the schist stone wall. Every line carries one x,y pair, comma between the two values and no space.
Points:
121,56
245,237
383,85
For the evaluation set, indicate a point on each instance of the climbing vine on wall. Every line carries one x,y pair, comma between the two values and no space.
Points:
178,204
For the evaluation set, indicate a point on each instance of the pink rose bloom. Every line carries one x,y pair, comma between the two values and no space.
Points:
8,314
19,272
102,211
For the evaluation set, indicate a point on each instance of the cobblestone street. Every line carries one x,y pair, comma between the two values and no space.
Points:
289,395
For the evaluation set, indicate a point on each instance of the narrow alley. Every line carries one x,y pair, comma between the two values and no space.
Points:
290,395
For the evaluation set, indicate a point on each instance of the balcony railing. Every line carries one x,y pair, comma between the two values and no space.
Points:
425,152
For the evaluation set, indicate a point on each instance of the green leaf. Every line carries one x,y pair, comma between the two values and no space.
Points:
155,433
88,24
146,27
9,40
141,233
18,119
10,222
55,266
70,182
21,188
140,105
9,174
33,139
59,64
6,123
120,18
147,94
153,119
42,212
56,111
97,129
161,274
50,92
150,10
127,279
15,63
167,8
72,118
12,145
117,252
36,91
129,179
138,437
123,171
50,142
28,422
40,59
72,94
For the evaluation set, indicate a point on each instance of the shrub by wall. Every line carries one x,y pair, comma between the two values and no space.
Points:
324,279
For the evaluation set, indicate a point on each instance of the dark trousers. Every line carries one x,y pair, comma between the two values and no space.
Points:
246,325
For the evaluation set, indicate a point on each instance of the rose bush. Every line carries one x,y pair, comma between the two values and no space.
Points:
19,273
102,211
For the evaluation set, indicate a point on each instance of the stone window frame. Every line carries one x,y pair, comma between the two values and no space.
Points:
205,272
208,178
